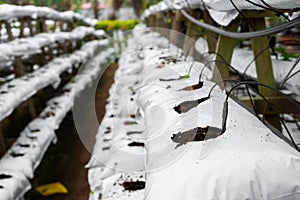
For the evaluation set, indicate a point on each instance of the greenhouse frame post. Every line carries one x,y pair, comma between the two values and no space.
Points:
225,47
210,36
191,32
9,32
176,22
264,67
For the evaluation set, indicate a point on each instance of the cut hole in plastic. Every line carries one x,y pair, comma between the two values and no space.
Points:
193,87
196,135
105,148
136,144
130,123
174,79
47,114
32,137
133,186
134,132
169,59
132,116
35,130
108,130
13,154
24,145
5,176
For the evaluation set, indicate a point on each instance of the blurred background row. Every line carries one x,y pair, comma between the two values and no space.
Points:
101,9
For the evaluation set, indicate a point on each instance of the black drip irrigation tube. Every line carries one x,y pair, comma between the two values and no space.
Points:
249,83
282,27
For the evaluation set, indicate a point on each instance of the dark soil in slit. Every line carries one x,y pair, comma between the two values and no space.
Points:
196,134
133,186
64,162
127,123
193,87
169,59
13,154
108,130
172,79
105,148
136,144
4,176
188,105
134,132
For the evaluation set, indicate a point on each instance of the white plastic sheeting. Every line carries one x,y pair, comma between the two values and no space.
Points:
13,185
26,153
222,11
247,162
33,45
247,67
9,12
280,68
20,89
247,148
293,127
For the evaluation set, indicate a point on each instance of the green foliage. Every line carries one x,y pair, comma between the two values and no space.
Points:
285,55
169,21
185,77
109,25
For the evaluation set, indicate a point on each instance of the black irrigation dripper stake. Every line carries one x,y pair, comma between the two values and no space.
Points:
267,101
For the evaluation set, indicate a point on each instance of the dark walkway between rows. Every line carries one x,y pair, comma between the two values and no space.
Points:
64,162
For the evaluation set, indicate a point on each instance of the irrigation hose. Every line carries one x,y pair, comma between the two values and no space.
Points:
282,27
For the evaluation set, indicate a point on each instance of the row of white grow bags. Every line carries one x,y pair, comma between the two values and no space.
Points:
25,47
20,161
183,156
9,12
20,89
222,11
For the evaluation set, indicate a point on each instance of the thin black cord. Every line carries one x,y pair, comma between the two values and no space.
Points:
255,57
214,61
222,81
277,9
259,54
244,17
287,77
261,84
252,102
237,81
291,76
269,104
269,9
215,53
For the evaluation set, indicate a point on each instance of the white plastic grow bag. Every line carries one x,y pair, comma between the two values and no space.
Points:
13,185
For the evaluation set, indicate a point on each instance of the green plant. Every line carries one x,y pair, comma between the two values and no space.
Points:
185,76
109,25
284,54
